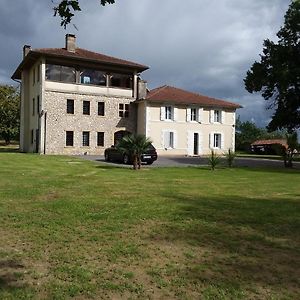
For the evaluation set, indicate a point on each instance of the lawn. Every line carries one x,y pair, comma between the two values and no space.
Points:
73,228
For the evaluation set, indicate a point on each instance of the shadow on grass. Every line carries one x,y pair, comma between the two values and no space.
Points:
249,240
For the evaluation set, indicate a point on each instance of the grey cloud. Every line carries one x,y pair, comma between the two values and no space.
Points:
204,46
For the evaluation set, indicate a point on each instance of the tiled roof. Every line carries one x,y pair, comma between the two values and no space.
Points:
174,95
270,142
90,55
79,55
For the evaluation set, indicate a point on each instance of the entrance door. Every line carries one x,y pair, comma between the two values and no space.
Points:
196,143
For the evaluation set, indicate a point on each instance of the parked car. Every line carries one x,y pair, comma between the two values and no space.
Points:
113,154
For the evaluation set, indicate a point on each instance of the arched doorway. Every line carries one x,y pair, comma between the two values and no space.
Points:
119,135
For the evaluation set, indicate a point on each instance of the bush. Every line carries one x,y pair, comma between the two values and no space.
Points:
230,156
213,160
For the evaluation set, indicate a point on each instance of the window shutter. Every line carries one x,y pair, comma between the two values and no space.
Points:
163,139
222,112
166,139
199,115
199,142
211,116
162,113
188,114
222,141
174,110
174,139
211,141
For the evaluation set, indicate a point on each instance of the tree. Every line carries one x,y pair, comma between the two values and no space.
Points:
277,75
67,8
134,146
9,112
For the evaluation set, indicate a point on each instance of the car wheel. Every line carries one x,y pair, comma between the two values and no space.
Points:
150,162
106,156
125,159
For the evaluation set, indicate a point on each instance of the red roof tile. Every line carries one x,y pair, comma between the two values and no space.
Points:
174,95
90,55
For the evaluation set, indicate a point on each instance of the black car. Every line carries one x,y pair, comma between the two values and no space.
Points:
113,154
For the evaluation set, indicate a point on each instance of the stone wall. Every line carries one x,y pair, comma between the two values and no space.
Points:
58,122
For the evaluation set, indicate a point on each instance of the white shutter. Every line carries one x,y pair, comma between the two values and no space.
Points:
222,112
166,139
211,140
188,114
199,115
211,115
174,109
175,139
190,143
163,139
222,141
162,113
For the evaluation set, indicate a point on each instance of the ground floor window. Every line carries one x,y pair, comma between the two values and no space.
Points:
100,139
169,139
217,140
86,138
123,110
69,138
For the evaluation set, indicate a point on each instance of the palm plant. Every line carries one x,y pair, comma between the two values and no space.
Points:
134,146
213,160
230,156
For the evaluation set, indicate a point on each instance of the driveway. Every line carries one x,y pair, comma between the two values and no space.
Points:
184,161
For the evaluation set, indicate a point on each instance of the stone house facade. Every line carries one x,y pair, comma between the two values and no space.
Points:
74,101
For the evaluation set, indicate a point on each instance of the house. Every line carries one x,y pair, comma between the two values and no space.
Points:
269,146
76,101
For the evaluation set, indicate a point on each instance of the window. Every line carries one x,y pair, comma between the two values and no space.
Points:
31,136
123,110
70,106
38,105
121,80
217,140
89,76
217,116
38,73
194,114
69,138
33,76
169,139
100,139
85,138
60,73
86,107
168,113
33,106
100,108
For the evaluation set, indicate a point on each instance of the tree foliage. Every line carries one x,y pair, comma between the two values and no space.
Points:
66,10
247,132
9,112
134,146
277,75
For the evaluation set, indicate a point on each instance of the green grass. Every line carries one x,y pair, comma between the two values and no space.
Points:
73,228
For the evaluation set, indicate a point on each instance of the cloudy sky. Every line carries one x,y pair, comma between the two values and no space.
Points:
205,46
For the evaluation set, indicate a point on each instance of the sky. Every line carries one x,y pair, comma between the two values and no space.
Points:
204,46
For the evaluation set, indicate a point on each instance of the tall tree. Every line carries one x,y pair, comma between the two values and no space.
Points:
67,8
9,112
277,75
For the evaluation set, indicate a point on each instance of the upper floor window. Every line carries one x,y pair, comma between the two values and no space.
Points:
123,110
38,73
121,80
89,76
86,107
217,116
70,106
168,113
194,114
60,73
101,108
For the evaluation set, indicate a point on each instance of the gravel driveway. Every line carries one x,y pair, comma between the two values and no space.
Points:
183,161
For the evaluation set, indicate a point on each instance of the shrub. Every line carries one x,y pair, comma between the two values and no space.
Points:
213,160
230,156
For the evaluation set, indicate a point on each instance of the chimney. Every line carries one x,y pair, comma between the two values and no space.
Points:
26,50
70,42
142,89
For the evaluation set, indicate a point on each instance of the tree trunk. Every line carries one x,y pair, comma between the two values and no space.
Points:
135,162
